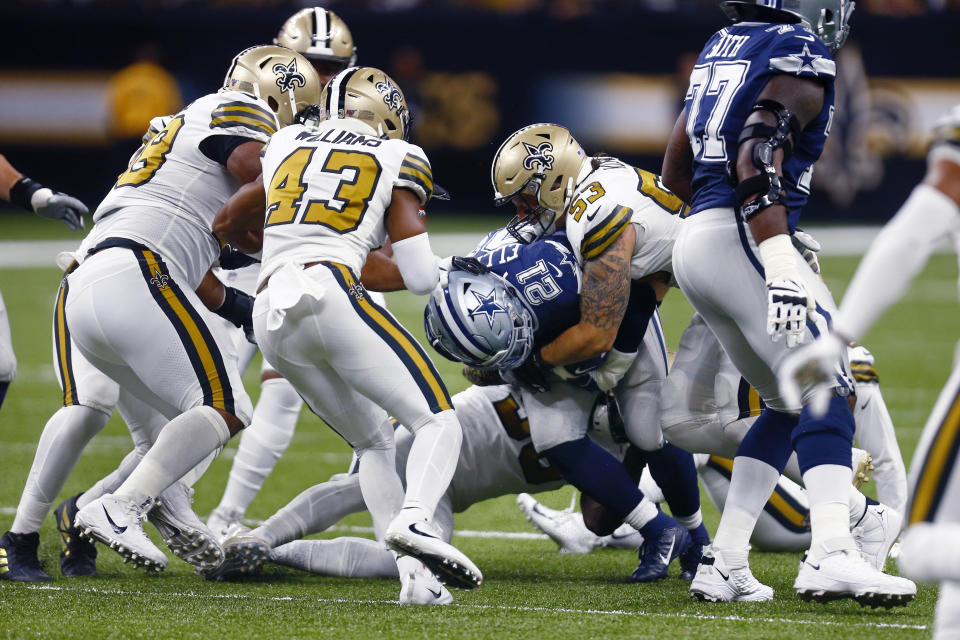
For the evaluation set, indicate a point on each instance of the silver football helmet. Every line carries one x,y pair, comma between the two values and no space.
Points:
479,319
829,19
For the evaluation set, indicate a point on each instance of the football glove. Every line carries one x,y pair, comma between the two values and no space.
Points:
808,247
237,307
59,206
814,367
614,367
230,258
789,303
531,373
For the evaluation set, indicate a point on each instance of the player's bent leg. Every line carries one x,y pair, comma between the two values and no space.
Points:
8,361
345,557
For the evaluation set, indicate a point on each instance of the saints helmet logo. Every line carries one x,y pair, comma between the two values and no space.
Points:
391,96
539,155
288,78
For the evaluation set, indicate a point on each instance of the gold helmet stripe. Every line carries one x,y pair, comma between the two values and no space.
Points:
607,231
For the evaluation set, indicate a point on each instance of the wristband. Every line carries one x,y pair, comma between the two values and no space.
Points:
22,191
779,258
237,307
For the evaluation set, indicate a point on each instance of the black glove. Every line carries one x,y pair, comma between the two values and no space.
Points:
230,258
531,373
237,308
470,265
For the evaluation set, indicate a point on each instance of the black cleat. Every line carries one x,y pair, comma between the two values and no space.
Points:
657,554
78,557
18,558
689,561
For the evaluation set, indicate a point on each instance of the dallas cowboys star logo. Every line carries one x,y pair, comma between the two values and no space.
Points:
486,306
806,60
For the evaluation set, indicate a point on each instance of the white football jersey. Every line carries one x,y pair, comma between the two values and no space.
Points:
169,194
328,189
610,197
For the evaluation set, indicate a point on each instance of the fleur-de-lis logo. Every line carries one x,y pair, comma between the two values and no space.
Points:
538,155
159,280
288,78
357,291
391,96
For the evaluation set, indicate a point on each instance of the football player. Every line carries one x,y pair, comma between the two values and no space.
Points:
621,224
757,113
324,39
896,256
333,193
497,458
130,304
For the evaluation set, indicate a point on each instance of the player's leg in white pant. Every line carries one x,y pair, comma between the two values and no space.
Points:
8,361
946,621
345,557
261,446
876,434
132,320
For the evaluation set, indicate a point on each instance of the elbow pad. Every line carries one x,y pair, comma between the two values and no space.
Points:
766,186
419,268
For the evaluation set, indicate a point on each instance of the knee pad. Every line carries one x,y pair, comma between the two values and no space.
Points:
827,439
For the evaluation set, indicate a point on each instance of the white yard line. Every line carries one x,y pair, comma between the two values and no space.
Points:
491,607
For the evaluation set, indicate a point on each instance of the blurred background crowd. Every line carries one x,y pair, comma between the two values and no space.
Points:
80,79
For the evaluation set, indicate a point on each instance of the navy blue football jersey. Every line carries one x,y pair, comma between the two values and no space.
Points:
544,272
731,71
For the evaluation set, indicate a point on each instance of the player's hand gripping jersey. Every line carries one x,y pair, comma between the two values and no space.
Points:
171,191
328,188
614,195
732,70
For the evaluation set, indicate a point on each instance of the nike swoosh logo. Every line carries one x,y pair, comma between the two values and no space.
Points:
536,509
614,536
117,530
815,566
435,594
864,405
810,38
413,527
725,577
666,557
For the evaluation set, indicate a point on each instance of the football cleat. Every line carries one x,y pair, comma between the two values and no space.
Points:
244,556
222,520
117,521
422,587
714,582
78,557
876,532
566,528
18,558
656,554
186,536
843,573
410,533
690,560
625,537
862,466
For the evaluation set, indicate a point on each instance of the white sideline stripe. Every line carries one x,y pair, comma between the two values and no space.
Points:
492,607
836,241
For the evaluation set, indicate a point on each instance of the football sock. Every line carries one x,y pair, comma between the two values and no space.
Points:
751,484
699,534
676,475
344,557
829,505
316,509
63,440
876,434
3,391
112,482
432,460
262,443
946,620
858,505
652,528
380,485
591,469
182,444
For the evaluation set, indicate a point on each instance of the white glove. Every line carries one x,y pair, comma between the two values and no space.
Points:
789,304
47,203
443,266
814,367
808,247
614,367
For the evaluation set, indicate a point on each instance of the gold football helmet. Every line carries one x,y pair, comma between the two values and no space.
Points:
369,95
540,160
321,36
282,78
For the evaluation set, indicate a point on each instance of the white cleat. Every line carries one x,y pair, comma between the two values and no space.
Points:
222,521
422,588
625,537
188,538
862,466
843,573
563,527
244,556
876,532
715,583
117,521
410,533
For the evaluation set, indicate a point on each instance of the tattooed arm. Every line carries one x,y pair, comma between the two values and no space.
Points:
603,301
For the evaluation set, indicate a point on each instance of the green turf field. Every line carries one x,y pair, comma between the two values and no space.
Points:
530,590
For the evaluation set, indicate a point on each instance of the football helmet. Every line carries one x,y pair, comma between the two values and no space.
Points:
282,78
829,19
369,95
320,35
543,161
479,319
